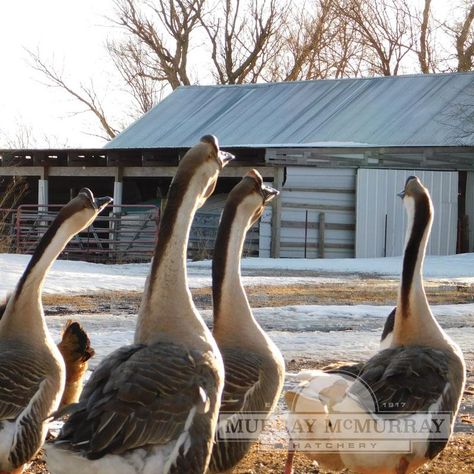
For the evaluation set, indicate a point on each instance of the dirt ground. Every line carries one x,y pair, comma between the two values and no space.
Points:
458,457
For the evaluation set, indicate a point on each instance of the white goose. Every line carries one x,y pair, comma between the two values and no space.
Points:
152,407
32,369
419,379
254,367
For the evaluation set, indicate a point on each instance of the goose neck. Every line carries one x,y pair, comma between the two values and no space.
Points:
167,308
233,318
414,321
24,312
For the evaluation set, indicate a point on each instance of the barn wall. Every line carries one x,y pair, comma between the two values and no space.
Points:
470,208
318,212
381,219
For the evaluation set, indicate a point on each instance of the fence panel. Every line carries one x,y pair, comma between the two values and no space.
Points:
126,235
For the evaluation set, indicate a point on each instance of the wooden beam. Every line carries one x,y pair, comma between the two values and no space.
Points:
319,207
127,171
22,171
322,224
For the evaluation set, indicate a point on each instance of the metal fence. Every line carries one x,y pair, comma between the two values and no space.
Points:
119,234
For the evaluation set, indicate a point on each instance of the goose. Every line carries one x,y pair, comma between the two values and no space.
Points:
419,379
75,350
32,369
254,367
152,407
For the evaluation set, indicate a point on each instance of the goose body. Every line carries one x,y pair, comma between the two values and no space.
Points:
418,379
254,367
151,407
32,369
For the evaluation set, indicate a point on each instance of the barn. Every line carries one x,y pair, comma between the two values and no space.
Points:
339,151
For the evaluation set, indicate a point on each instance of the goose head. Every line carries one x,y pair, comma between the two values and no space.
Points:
252,195
419,208
81,211
201,166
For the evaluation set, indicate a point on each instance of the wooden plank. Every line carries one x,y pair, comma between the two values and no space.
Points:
319,207
315,225
320,190
315,245
21,171
322,220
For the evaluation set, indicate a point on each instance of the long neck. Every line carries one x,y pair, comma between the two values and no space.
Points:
414,321
24,311
234,322
167,309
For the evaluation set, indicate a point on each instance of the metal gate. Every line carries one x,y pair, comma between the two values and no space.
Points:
120,234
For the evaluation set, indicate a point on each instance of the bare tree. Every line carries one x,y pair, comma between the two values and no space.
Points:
161,32
424,51
319,43
465,41
86,95
130,59
385,28
244,38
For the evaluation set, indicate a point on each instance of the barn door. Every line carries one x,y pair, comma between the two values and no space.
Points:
380,216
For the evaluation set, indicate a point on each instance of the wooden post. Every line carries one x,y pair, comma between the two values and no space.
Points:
114,224
322,226
276,213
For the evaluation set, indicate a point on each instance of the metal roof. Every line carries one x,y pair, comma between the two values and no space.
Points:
415,110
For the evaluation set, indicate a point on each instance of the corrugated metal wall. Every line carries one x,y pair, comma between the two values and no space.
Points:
318,212
381,220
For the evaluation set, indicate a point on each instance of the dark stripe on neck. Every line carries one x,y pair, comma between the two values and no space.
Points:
219,261
389,324
174,200
42,246
420,222
3,306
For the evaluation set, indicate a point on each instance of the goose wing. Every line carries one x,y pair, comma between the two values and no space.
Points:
243,374
21,374
140,395
26,395
406,380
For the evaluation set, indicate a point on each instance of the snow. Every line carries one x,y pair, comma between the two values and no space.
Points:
71,277
320,332
315,331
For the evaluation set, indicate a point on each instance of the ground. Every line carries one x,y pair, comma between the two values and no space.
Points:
458,457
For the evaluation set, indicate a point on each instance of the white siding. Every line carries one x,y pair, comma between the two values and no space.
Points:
381,220
311,192
265,233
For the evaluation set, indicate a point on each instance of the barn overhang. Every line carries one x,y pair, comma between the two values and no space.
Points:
420,157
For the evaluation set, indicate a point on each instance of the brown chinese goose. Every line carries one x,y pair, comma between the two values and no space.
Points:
416,383
32,369
254,367
152,407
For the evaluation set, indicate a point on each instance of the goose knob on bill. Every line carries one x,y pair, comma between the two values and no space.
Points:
411,391
32,369
254,367
152,407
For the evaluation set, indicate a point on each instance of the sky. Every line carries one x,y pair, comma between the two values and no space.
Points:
72,35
